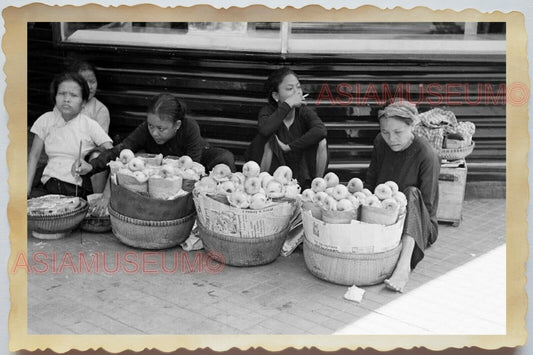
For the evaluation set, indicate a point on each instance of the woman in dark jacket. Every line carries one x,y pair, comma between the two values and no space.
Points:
414,165
290,133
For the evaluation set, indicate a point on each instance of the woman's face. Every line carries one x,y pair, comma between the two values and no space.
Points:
161,130
288,87
89,76
396,133
69,99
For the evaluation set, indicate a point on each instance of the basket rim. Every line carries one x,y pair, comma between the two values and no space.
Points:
457,152
141,222
343,255
81,209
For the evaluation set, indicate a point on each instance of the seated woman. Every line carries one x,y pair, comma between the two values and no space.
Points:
289,132
166,131
94,109
412,163
64,133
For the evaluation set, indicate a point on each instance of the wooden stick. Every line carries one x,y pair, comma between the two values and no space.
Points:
79,164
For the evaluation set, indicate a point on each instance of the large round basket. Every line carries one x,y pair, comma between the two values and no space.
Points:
456,153
139,206
238,251
350,268
151,234
56,226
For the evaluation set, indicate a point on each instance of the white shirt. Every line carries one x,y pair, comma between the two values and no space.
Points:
62,141
97,111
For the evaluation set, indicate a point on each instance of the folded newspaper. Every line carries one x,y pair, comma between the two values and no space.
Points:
296,234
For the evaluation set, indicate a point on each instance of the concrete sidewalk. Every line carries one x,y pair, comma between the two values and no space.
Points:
175,292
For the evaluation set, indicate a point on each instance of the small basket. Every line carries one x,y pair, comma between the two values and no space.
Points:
96,224
151,234
57,226
378,215
456,153
350,268
237,251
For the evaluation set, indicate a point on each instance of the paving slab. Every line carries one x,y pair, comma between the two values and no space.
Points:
174,293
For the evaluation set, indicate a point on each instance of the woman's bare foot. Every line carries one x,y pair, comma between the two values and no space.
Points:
400,276
397,281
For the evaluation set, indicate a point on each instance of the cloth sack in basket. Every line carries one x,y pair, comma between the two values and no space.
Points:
433,126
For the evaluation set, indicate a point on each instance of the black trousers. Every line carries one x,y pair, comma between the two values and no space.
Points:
55,186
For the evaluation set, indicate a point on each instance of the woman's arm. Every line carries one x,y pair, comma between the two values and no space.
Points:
315,133
429,180
194,141
135,141
33,158
270,118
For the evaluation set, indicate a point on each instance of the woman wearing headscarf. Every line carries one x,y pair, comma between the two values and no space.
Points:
412,163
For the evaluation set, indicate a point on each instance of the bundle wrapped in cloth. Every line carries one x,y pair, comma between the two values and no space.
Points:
441,129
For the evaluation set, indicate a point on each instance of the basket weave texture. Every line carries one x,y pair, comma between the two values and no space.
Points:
238,251
57,226
151,234
350,268
457,153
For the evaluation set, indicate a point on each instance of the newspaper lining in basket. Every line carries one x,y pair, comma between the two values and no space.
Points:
356,237
245,223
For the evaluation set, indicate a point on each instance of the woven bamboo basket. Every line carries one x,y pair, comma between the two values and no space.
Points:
151,234
377,215
456,153
350,268
237,251
143,207
96,224
57,226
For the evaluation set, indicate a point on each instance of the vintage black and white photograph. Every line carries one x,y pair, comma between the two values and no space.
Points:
267,178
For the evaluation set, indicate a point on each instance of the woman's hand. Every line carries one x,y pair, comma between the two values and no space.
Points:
99,207
80,167
296,99
284,147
